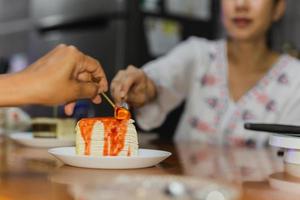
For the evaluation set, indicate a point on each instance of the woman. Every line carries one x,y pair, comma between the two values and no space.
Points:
63,75
225,83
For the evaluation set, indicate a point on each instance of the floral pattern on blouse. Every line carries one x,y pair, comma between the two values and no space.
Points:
208,80
196,71
283,79
201,125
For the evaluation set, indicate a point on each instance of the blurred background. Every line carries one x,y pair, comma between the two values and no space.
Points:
118,33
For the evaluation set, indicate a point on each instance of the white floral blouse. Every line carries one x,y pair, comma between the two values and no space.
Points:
196,71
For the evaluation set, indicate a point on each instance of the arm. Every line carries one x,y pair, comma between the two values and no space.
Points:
63,75
168,79
15,90
291,114
172,76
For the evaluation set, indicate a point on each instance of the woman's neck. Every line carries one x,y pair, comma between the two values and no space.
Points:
251,55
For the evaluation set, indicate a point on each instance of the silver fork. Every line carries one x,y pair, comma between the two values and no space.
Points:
125,105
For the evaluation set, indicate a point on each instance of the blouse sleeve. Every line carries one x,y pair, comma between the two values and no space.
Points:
291,111
291,115
172,76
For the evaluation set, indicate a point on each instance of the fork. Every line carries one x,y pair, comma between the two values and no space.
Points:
123,104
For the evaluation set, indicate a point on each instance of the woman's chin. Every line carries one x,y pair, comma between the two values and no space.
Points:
243,37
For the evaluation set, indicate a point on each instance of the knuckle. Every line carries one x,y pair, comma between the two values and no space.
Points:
131,67
97,62
61,45
128,80
73,49
120,73
112,85
142,74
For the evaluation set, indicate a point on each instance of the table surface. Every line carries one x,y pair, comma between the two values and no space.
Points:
30,174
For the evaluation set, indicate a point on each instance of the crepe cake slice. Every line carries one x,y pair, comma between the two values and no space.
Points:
106,137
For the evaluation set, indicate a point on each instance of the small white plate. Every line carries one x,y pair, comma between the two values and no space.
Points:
27,139
145,158
285,141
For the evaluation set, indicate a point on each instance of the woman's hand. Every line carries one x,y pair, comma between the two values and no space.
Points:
132,86
64,75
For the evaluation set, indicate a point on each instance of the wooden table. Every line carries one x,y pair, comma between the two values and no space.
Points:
32,174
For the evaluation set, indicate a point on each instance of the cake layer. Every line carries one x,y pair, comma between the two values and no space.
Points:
98,133
97,150
106,137
100,145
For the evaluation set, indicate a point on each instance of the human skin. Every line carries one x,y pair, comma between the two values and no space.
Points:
249,57
62,76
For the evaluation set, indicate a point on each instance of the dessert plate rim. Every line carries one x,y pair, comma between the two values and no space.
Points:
146,158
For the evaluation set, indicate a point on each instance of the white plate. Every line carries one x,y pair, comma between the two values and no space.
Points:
285,141
27,139
145,158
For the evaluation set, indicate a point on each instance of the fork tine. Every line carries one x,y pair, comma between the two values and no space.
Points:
125,105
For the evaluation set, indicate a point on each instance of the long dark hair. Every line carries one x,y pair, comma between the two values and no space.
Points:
270,42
